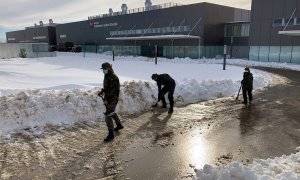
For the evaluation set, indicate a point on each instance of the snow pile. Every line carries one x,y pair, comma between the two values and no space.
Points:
37,108
32,108
283,168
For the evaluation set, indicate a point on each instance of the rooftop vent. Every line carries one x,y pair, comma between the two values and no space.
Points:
148,4
110,11
124,8
41,23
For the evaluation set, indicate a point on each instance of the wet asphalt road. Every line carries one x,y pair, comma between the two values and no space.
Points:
155,145
268,128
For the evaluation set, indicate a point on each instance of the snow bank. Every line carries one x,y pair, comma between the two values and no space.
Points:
38,107
283,168
62,89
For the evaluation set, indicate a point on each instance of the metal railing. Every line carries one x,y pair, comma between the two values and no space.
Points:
44,25
137,10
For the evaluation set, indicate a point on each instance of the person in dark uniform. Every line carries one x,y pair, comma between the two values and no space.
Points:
247,85
111,90
168,84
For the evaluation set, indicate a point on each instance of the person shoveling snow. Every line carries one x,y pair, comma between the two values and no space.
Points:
169,87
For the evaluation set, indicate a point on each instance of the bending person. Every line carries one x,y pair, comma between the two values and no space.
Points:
168,84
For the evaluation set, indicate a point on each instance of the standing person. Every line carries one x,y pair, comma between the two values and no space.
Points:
247,85
111,90
169,87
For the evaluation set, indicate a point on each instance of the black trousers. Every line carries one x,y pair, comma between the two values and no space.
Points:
170,90
109,119
247,91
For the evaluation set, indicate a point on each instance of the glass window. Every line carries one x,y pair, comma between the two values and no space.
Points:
165,29
264,53
253,54
237,30
247,33
277,22
290,21
274,54
243,30
296,54
286,54
228,31
181,29
297,21
186,28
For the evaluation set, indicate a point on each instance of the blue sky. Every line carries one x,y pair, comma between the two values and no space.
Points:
22,13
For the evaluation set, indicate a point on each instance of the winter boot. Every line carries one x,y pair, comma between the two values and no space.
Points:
110,136
170,110
119,127
171,106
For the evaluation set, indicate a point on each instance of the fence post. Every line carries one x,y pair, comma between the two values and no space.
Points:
83,50
156,54
224,62
113,52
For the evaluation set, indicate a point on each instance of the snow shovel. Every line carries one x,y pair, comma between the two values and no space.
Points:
237,97
155,105
102,97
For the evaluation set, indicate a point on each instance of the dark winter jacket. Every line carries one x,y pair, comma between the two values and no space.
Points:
166,81
111,87
247,81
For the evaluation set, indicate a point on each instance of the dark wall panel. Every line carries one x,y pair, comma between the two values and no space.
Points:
255,33
278,8
298,8
265,33
289,7
256,10
267,10
275,37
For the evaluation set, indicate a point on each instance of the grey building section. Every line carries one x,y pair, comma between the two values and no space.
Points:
203,19
268,18
38,34
33,50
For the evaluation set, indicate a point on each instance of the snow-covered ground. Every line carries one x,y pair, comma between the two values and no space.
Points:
283,168
62,90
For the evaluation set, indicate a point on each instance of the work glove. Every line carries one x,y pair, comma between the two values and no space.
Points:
155,105
100,93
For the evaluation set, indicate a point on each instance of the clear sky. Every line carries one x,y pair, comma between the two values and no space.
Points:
16,14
